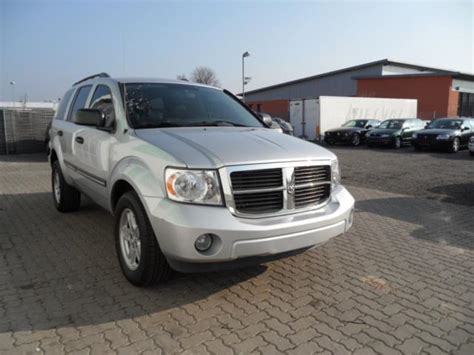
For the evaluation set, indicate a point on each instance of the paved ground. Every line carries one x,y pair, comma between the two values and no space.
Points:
402,281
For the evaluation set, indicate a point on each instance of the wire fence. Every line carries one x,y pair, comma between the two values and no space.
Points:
24,130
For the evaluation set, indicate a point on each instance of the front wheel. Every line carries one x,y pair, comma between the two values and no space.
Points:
140,256
455,145
66,197
355,139
397,143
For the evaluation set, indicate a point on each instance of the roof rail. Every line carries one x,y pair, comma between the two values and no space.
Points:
100,75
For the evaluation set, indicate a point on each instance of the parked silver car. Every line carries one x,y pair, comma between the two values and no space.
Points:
195,180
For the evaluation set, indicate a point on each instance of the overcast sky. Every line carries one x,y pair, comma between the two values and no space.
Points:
47,45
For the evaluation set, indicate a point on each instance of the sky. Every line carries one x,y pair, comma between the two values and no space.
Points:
45,46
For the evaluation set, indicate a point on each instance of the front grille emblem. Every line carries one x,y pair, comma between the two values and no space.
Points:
291,184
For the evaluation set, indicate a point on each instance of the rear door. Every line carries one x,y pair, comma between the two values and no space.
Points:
92,147
68,129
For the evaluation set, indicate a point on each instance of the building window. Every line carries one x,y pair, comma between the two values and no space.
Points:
466,104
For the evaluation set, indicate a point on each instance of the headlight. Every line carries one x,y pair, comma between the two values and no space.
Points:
193,186
385,135
335,173
443,136
414,135
471,140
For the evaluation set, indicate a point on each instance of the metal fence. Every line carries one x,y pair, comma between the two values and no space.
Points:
23,130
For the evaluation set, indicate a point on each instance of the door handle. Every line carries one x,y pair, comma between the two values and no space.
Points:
79,140
60,133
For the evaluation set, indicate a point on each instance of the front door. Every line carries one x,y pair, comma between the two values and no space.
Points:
92,148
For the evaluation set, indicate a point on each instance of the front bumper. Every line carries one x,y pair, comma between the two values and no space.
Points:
338,138
433,143
178,225
380,140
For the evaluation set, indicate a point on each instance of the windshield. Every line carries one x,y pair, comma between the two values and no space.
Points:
355,123
448,124
391,124
153,105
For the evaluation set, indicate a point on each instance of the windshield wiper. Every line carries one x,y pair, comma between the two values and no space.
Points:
158,125
218,123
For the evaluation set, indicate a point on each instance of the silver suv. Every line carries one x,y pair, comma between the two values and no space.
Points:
195,180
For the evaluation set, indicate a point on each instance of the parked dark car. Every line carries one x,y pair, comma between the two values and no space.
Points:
352,132
285,126
394,132
451,134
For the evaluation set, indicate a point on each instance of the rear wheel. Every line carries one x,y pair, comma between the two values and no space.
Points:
66,197
140,256
455,145
355,139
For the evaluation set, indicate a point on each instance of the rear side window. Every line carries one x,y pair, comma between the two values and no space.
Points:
61,113
102,100
79,100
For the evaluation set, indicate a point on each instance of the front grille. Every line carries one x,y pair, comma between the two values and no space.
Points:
311,195
262,202
426,138
256,179
309,174
280,190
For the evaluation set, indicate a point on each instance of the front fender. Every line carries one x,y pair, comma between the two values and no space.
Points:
135,171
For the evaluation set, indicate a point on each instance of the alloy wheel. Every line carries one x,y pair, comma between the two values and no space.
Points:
130,244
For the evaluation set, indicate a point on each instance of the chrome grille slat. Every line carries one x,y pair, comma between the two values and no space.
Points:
257,191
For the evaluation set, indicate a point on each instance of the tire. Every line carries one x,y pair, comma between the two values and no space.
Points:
66,197
472,153
397,143
355,141
148,266
417,148
370,145
455,146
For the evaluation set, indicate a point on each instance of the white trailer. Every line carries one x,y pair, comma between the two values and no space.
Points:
312,117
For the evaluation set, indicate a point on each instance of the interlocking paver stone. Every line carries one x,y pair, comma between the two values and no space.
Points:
401,281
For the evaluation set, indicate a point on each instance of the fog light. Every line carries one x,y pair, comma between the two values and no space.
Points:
203,242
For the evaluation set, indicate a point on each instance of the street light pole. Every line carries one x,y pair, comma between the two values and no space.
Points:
244,55
13,83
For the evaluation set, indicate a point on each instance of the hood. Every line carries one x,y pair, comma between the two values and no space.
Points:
205,147
346,129
438,131
378,131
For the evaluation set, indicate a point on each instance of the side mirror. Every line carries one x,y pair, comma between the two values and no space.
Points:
267,119
465,129
89,117
368,126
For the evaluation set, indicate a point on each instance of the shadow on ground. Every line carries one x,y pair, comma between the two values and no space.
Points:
61,270
440,223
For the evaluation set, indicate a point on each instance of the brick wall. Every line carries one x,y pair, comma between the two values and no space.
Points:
25,130
278,108
434,94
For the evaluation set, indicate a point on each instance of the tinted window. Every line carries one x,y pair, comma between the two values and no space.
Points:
79,100
61,113
102,100
355,123
392,124
168,105
448,124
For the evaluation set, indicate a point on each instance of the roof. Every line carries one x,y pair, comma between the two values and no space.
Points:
131,80
366,65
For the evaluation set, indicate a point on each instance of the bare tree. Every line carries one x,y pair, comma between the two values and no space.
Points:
182,77
205,75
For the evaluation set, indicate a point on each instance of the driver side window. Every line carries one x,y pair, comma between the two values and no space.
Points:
102,100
